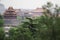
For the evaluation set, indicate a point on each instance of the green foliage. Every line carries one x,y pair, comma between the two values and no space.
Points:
2,34
20,34
1,17
1,20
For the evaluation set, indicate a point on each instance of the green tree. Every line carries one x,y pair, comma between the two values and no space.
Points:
1,20
20,34
51,21
2,34
31,25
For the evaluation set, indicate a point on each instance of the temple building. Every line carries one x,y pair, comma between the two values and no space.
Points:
10,17
10,14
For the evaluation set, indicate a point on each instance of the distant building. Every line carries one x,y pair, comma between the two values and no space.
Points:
10,17
10,13
13,17
36,12
22,14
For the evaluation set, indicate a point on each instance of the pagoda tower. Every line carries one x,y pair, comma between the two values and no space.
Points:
10,13
10,17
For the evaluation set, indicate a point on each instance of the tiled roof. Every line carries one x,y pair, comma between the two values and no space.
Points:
38,10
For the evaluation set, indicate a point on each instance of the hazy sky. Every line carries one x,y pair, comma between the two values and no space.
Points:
27,4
